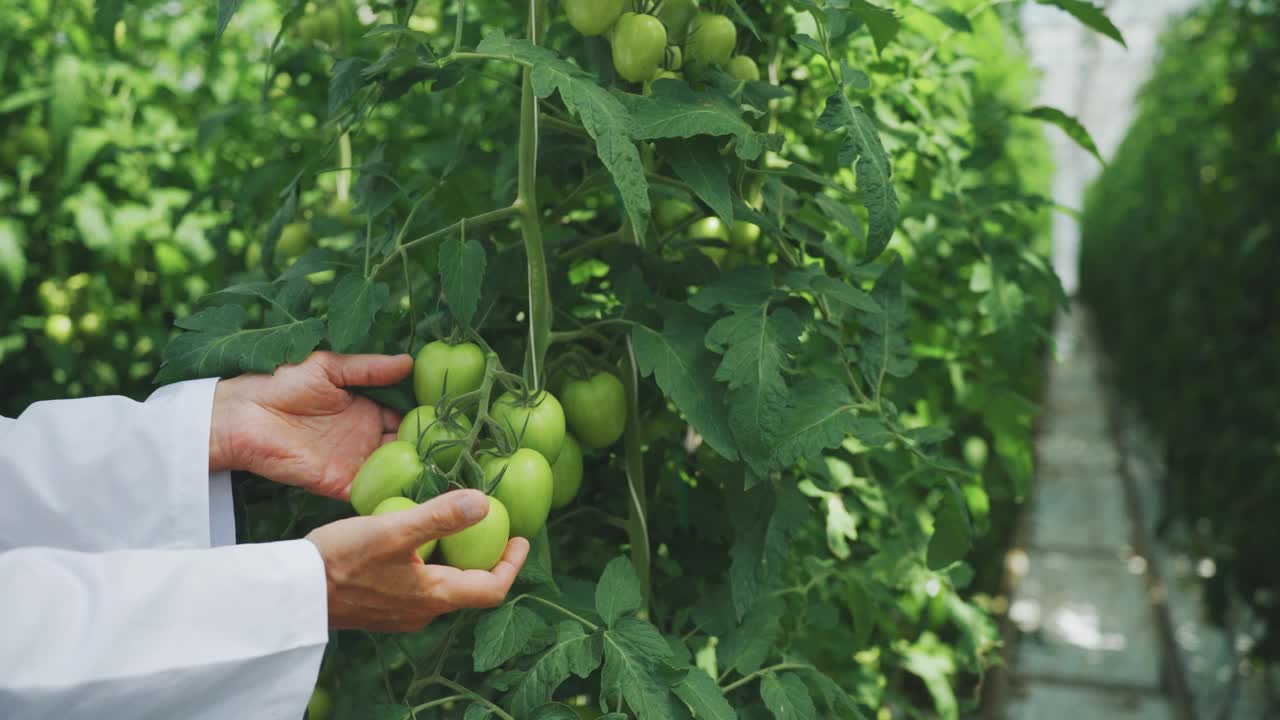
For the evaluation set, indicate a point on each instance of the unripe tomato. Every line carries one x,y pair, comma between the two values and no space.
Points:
596,409
34,140
639,45
975,452
525,489
439,364
710,228
744,235
671,212
741,67
391,470
480,546
294,240
711,40
675,15
421,427
593,17
566,473
59,328
396,504
91,324
320,706
537,424
53,298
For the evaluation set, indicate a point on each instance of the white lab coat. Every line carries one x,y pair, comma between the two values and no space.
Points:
122,593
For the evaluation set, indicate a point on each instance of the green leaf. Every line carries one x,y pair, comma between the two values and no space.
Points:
555,711
1070,125
462,264
352,307
634,655
834,697
226,10
1091,15
787,697
863,150
105,15
572,653
699,164
618,592
953,19
704,697
952,528
348,77
763,521
13,259
219,345
887,351
747,648
503,634
674,110
69,100
477,711
684,369
883,23
820,416
601,113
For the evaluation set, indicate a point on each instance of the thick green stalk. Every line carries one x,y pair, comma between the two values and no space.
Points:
540,311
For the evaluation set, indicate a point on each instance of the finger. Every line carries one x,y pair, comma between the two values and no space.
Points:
390,420
389,437
368,370
477,588
444,515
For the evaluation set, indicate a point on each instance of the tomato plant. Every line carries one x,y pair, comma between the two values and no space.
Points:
676,15
523,482
439,438
593,17
808,290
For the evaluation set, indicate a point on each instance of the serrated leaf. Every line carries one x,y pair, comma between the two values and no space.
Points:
704,697
787,697
747,648
477,711
883,23
347,79
226,10
462,265
820,416
952,529
555,711
572,653
684,369
834,697
863,150
634,654
1091,15
352,307
219,345
602,115
503,634
763,521
618,592
674,110
887,351
698,163
1069,125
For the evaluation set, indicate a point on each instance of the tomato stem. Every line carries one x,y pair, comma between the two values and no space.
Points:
540,311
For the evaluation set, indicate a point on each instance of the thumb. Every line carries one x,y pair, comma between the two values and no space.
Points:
439,517
367,370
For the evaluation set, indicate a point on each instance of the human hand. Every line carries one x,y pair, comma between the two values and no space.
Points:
300,426
377,582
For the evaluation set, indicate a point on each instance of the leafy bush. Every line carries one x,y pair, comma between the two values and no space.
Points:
1181,256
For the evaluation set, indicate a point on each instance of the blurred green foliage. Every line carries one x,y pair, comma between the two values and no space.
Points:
1182,269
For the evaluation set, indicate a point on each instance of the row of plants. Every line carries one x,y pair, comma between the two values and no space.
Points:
1181,251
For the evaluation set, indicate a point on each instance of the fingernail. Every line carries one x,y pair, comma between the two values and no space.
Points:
474,506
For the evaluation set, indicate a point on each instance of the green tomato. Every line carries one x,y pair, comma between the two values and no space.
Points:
675,15
480,546
741,67
674,58
639,46
320,706
537,424
593,17
711,40
711,228
322,26
596,409
91,324
566,473
975,452
294,240
744,235
439,364
53,298
34,140
671,212
422,428
59,328
525,489
391,470
396,504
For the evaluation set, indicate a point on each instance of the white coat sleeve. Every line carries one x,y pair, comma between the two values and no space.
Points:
233,632
108,473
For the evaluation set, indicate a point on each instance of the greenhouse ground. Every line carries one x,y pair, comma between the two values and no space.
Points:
1105,619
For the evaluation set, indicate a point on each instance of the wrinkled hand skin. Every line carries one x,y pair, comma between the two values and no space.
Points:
375,580
300,426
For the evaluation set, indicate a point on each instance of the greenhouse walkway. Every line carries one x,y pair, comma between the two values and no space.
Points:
1101,623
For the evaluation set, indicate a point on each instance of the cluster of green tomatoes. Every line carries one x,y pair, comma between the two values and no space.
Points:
529,461
675,36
